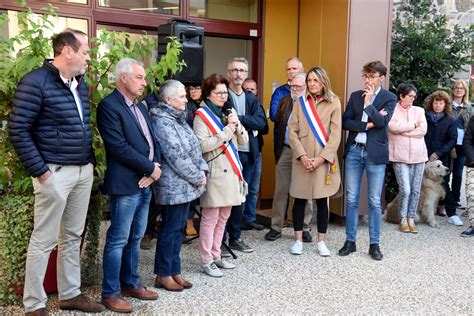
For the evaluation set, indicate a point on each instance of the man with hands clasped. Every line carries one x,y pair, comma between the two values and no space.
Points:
132,166
366,118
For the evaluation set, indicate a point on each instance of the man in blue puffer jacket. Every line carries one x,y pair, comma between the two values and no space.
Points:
50,130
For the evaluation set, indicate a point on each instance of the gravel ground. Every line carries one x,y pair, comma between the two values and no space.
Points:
428,273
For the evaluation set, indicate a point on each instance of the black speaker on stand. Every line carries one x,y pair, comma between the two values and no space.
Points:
191,37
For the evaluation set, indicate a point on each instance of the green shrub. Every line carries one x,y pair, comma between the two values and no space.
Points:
424,51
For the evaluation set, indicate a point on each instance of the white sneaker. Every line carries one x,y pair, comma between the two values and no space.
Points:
323,250
455,220
224,264
212,270
297,248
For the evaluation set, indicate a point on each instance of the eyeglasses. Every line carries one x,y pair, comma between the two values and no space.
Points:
238,70
295,86
365,76
221,94
459,88
193,89
413,96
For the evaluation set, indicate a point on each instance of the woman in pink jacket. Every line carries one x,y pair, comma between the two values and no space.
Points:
408,153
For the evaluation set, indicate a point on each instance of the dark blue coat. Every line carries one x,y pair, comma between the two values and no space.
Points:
254,119
45,126
377,137
441,137
125,144
468,143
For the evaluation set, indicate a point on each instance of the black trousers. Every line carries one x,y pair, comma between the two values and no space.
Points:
322,215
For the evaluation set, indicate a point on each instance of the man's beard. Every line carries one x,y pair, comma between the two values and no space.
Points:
295,96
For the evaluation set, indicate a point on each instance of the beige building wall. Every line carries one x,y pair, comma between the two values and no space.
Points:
339,35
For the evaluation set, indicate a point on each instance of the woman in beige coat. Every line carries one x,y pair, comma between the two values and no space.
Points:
224,188
315,169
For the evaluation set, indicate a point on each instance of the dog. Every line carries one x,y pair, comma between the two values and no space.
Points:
432,191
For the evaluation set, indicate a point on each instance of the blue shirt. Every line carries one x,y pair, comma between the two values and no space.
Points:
362,136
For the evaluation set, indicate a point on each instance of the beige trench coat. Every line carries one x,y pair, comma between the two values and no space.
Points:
223,185
312,185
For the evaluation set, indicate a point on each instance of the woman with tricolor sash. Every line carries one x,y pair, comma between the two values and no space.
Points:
219,133
314,133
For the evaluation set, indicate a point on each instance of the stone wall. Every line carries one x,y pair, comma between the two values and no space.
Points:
459,12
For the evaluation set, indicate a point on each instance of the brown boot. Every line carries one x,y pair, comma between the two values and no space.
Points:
167,283
116,304
184,283
39,312
81,303
404,225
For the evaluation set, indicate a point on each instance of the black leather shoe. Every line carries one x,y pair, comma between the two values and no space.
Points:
307,236
374,252
348,248
272,235
250,226
255,226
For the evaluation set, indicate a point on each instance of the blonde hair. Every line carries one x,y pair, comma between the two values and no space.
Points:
323,78
465,98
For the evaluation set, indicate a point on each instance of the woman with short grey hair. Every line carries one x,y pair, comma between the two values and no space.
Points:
183,179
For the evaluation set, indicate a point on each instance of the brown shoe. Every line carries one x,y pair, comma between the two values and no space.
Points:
146,244
117,304
440,211
412,225
81,303
184,283
168,284
191,231
404,225
141,293
39,312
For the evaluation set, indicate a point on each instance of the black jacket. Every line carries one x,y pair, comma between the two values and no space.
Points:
285,106
125,144
468,143
441,137
254,119
45,126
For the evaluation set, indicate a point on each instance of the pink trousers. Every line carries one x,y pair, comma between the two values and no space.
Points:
211,230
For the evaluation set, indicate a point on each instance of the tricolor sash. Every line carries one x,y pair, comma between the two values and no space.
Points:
314,122
215,126
317,127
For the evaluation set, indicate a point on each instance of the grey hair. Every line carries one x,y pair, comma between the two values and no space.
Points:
170,89
238,60
125,66
295,59
299,75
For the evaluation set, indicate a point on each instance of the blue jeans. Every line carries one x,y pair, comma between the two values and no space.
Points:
252,176
458,167
128,216
233,223
409,178
170,239
355,164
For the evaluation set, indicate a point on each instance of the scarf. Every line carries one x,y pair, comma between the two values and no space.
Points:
217,111
435,118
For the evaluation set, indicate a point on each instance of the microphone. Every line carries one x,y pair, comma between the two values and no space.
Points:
227,108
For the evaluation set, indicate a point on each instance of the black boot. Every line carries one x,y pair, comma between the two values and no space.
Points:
349,246
374,252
